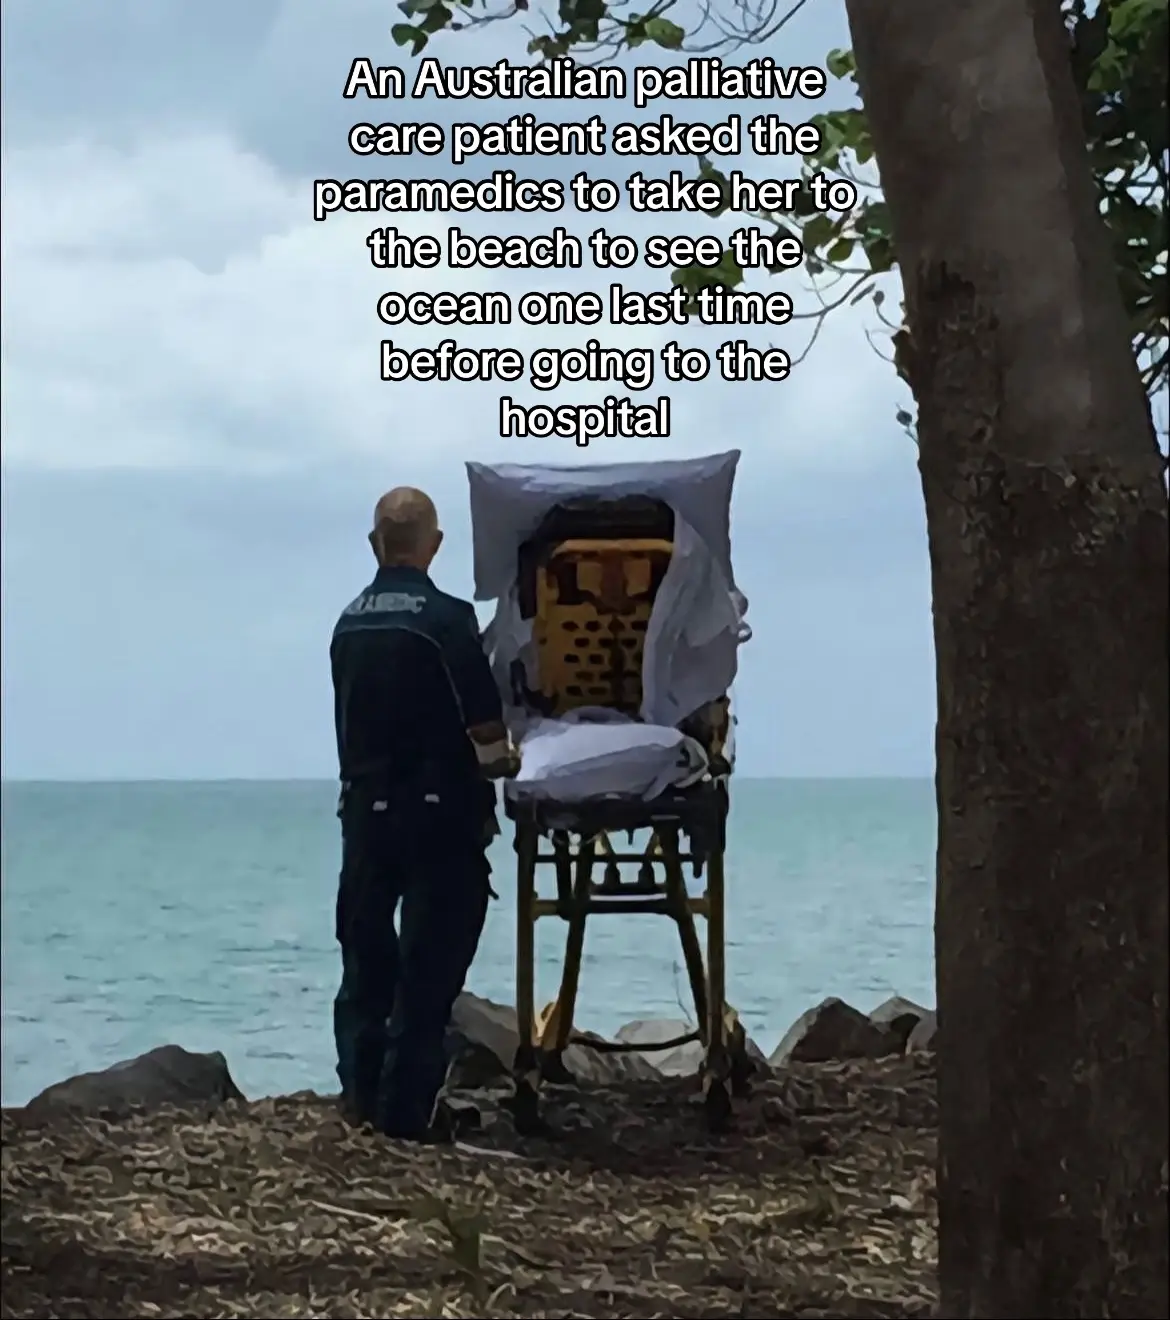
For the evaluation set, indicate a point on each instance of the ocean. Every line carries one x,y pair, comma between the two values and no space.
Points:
139,914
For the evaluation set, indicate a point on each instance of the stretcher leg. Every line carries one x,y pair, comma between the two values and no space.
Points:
563,864
526,1066
680,908
558,1026
717,1062
575,857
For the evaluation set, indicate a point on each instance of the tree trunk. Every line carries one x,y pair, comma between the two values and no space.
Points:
1047,519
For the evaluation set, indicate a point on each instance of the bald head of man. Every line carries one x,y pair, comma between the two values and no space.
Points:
406,529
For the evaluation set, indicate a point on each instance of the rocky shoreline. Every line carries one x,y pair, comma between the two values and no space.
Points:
155,1189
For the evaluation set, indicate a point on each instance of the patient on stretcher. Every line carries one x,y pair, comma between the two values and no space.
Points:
615,648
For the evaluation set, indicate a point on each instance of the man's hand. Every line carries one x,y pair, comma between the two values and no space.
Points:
498,759
483,735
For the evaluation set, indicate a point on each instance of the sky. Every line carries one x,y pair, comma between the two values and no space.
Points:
194,432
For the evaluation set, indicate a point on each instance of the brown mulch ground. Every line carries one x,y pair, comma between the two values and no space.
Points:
820,1203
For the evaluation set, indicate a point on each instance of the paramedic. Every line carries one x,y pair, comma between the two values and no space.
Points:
416,710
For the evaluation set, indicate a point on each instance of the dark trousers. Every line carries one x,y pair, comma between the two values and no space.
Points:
398,987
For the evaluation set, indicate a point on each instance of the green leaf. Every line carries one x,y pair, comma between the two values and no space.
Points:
802,203
585,32
437,18
845,128
664,33
841,251
1118,65
879,252
840,63
1130,16
405,35
729,272
819,232
548,48
874,218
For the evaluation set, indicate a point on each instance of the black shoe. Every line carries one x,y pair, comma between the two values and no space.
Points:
527,1119
355,1114
448,1124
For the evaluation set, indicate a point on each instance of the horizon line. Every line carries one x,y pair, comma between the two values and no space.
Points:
5,781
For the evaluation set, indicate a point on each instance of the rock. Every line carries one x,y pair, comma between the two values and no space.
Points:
482,1041
605,1068
899,1017
921,1039
681,1060
168,1075
833,1030
678,1061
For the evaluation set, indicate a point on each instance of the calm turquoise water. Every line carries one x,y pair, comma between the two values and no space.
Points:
136,914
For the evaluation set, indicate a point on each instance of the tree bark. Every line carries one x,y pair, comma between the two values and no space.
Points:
1047,519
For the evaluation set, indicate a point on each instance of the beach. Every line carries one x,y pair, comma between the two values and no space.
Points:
819,1203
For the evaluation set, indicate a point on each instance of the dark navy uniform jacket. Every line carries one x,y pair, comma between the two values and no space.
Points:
410,677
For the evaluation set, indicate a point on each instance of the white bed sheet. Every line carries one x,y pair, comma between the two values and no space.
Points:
593,754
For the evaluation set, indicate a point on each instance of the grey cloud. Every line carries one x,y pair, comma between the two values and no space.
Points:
271,73
169,306
264,351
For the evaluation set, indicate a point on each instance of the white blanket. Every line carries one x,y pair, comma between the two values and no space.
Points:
592,754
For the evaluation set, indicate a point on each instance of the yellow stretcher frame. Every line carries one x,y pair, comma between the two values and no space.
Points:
688,827
590,594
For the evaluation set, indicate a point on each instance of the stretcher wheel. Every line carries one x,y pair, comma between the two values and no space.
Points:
742,1072
552,1069
742,1066
526,1111
717,1107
